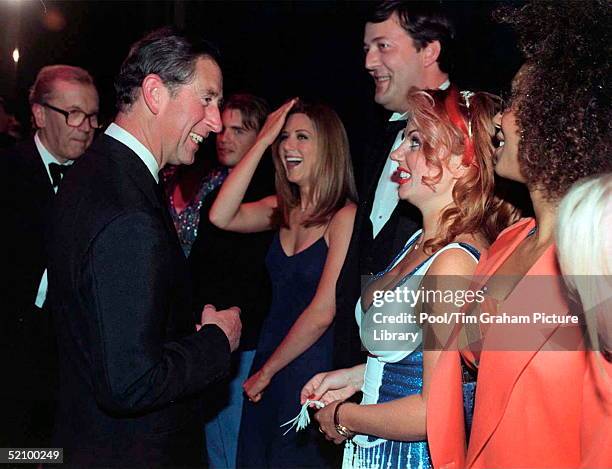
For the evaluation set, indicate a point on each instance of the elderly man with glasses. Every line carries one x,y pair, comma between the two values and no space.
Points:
64,104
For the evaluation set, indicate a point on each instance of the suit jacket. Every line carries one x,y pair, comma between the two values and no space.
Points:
27,344
535,407
367,255
27,196
131,362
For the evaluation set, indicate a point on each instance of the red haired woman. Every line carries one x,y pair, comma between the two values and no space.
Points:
446,171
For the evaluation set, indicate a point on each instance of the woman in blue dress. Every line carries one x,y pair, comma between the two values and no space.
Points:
313,211
446,171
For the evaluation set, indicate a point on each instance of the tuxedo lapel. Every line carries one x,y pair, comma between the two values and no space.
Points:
377,161
35,172
137,171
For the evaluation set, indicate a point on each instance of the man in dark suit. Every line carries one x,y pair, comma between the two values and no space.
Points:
132,356
407,44
64,104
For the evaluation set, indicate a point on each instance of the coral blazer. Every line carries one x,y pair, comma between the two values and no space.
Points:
533,408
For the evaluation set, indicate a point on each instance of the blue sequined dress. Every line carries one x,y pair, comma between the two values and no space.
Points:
392,374
186,222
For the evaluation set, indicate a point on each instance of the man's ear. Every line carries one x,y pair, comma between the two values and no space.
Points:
430,53
38,112
154,93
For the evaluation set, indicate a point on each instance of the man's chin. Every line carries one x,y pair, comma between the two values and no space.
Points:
76,150
382,99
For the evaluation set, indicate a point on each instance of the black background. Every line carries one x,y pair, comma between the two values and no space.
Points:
276,49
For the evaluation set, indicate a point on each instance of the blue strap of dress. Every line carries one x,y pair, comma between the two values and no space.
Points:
475,252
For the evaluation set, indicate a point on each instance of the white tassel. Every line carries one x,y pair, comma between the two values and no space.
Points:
302,419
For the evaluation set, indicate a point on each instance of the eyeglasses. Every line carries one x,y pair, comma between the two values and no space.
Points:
76,118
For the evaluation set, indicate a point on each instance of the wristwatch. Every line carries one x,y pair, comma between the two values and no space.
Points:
341,429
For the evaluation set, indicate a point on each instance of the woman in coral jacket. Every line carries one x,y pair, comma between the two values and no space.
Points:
540,401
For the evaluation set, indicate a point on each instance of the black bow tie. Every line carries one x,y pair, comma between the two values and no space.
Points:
58,171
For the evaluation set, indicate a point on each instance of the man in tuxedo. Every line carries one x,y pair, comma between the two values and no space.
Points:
132,355
64,104
407,44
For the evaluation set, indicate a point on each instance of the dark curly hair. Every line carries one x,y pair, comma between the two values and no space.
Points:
561,96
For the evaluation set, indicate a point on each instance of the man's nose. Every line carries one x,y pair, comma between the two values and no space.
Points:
372,59
213,120
85,125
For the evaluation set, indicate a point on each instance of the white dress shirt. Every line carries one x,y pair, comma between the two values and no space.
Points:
386,197
47,158
122,135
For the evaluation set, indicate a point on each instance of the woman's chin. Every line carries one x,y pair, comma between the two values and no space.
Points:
404,193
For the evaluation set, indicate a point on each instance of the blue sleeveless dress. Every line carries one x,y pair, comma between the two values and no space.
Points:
261,443
391,374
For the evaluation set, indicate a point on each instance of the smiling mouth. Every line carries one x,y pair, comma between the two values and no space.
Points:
498,140
197,138
401,176
293,161
381,80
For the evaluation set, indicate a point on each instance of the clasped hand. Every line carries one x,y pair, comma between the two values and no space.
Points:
228,320
255,385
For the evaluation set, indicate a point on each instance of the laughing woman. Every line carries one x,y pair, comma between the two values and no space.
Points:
313,211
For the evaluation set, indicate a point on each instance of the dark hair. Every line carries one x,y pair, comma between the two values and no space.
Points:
42,88
561,96
254,109
424,22
164,52
332,179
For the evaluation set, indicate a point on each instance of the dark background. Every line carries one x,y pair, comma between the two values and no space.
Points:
276,49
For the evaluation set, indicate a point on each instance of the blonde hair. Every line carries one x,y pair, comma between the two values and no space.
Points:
332,179
584,246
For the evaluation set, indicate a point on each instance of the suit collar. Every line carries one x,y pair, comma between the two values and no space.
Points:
379,161
123,136
132,165
47,157
33,168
